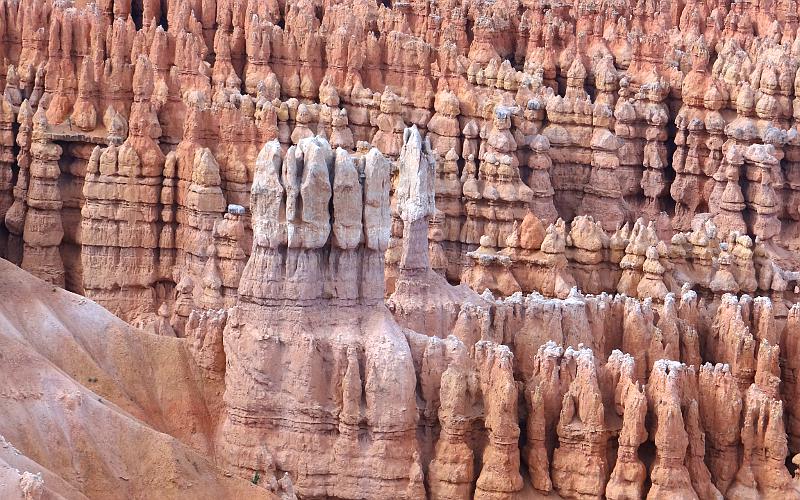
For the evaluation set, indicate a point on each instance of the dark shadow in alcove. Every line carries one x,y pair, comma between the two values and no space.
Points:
137,10
164,22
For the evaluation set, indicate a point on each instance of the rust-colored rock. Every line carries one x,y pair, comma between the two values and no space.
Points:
400,249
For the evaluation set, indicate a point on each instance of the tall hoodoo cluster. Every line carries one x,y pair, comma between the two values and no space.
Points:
313,359
320,223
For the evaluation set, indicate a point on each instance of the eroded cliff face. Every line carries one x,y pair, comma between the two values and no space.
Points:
596,115
451,248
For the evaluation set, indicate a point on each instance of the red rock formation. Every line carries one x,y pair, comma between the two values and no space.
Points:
627,479
499,476
679,470
610,178
451,471
580,465
720,410
43,230
319,299
15,216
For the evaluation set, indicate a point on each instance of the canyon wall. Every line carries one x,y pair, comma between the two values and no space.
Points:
672,113
447,248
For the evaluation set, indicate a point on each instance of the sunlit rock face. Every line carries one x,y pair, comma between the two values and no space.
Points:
461,249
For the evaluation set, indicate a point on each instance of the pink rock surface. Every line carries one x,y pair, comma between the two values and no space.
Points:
396,249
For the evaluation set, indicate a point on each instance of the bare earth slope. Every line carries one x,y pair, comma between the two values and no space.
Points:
89,399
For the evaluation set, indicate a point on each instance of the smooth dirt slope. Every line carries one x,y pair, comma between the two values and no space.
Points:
100,409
